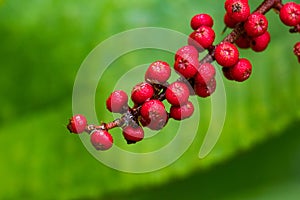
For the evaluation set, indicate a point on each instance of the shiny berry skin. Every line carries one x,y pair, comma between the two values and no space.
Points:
201,20
142,92
101,140
202,38
229,22
117,102
182,112
226,54
77,124
297,49
205,73
133,134
261,42
241,71
187,52
238,10
186,67
256,25
243,42
205,90
227,73
290,14
177,93
153,114
158,72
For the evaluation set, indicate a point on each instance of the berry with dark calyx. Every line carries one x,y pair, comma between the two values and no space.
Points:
201,20
238,10
261,42
242,70
182,112
229,22
101,140
186,67
290,14
141,93
153,114
205,90
117,102
177,93
133,134
205,73
202,38
158,72
227,73
77,124
243,42
256,25
226,54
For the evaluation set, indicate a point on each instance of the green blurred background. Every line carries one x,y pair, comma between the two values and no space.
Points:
44,42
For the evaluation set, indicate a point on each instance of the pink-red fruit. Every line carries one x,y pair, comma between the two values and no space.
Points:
290,14
142,92
153,114
158,72
201,20
77,124
101,140
261,42
241,71
238,10
117,102
256,25
229,22
133,134
202,38
182,112
205,90
205,73
226,54
177,93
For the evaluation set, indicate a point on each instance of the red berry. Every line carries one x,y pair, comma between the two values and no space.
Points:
205,90
202,38
182,112
227,73
77,124
187,68
228,2
242,70
187,52
290,14
226,54
201,20
238,10
153,114
101,140
297,49
158,72
229,22
261,42
256,25
117,102
142,92
177,93
243,42
205,73
133,134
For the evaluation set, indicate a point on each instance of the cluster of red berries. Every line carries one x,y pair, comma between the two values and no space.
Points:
196,77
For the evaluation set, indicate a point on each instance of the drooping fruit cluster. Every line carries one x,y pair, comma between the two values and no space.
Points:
196,77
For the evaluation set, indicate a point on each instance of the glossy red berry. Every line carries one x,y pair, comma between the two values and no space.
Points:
201,20
243,42
182,112
242,70
229,22
158,72
205,73
142,92
153,114
256,25
186,67
205,90
133,134
77,124
238,10
226,54
101,140
227,73
202,38
187,52
290,14
177,93
297,49
117,102
261,42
